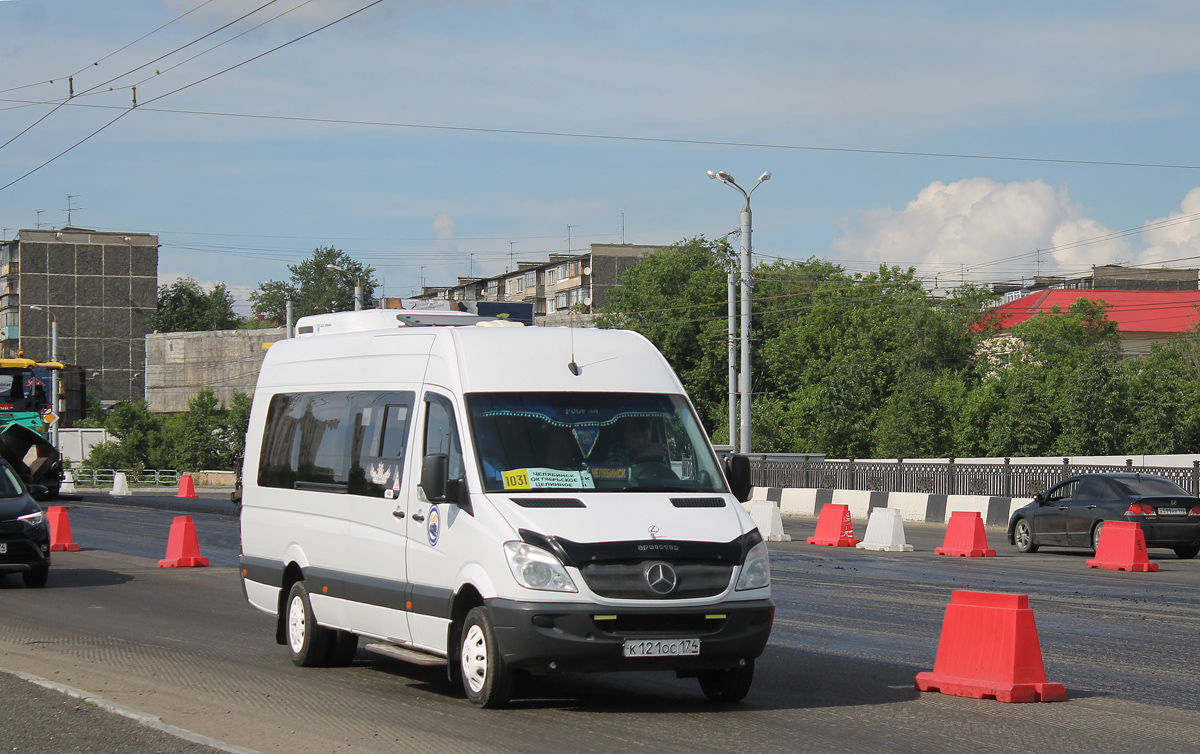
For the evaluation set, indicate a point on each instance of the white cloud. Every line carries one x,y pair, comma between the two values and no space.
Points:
1176,236
984,230
241,293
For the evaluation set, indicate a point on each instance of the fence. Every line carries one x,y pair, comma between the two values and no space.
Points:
945,478
144,477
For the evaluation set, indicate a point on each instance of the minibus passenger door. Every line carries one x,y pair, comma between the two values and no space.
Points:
376,581
433,549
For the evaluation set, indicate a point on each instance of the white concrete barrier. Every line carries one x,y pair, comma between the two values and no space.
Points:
858,501
912,505
120,485
766,516
885,532
798,502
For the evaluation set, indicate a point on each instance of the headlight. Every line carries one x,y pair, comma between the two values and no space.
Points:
534,568
756,571
33,519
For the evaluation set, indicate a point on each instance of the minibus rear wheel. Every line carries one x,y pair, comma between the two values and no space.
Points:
308,642
730,685
486,679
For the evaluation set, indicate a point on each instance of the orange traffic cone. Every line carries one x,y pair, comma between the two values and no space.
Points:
834,527
60,530
1122,547
186,487
965,537
183,551
989,650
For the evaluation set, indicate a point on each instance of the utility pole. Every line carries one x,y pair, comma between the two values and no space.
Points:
510,256
745,382
569,238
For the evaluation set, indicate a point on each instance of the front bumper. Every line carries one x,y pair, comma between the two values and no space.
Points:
550,637
27,550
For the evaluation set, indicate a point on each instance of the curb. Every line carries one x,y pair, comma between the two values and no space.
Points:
143,718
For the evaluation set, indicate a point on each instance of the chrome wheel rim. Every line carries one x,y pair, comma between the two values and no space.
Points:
296,624
1096,536
1023,537
474,658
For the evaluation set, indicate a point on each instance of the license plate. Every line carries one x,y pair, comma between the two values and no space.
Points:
3,547
1172,511
661,647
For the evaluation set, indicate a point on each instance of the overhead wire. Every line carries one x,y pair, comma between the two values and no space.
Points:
188,86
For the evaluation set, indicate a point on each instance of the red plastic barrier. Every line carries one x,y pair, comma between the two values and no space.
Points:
183,551
989,650
1122,547
187,488
60,530
965,537
834,527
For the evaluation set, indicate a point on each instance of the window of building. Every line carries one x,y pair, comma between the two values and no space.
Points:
531,279
552,276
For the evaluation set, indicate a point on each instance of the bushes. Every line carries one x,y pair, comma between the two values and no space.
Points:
207,436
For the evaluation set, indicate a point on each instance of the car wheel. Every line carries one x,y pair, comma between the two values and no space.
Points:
37,577
1023,536
1187,552
1096,535
343,647
486,679
729,685
308,642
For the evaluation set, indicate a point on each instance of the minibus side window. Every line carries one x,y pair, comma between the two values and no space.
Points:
441,433
380,435
307,441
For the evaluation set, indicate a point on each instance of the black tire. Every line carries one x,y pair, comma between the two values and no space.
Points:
1187,552
485,678
343,647
1023,536
36,578
729,685
307,642
1096,535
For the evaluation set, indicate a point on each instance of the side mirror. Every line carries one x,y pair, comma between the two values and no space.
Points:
1040,498
434,471
39,491
737,473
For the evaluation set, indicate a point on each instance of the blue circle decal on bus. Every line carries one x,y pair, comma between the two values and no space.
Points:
433,528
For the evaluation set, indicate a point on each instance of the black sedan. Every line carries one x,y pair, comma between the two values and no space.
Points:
1072,513
24,533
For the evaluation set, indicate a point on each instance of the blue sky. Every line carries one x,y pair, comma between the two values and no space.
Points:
235,199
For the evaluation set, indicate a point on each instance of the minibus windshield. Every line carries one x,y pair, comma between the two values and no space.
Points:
591,441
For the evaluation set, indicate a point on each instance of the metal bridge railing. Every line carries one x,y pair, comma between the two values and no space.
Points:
1005,479
138,477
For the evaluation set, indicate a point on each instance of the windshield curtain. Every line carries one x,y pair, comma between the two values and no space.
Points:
600,441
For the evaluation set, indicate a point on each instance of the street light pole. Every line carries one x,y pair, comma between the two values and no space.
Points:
357,285
744,386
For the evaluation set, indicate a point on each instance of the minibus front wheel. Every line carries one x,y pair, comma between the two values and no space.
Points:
308,642
486,678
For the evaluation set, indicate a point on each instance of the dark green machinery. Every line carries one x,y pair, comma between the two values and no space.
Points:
24,437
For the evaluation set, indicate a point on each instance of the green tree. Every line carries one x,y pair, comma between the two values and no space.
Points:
671,297
184,306
1164,399
138,433
314,288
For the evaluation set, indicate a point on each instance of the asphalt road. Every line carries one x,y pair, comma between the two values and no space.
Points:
852,629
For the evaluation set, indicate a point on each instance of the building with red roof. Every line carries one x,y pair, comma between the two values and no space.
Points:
1143,317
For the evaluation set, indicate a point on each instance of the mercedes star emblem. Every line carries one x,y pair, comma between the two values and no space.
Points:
660,577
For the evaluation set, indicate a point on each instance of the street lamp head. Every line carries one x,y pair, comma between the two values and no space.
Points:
335,267
725,177
765,177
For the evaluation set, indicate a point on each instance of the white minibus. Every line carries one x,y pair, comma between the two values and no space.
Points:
501,500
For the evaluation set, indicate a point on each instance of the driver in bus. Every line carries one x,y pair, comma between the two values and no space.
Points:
636,444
